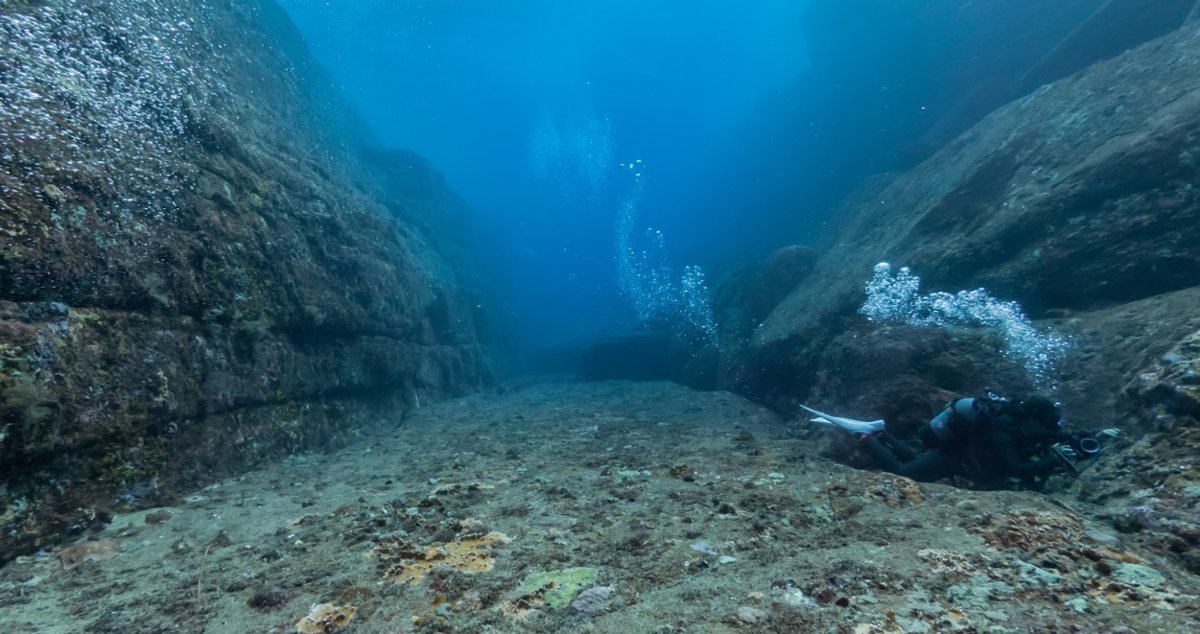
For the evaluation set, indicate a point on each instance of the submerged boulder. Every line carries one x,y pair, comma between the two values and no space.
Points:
198,272
1074,199
746,296
1150,492
1079,202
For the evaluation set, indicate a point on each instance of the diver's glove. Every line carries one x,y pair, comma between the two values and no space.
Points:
1065,450
1108,433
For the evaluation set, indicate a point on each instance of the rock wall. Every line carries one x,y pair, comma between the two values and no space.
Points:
1080,202
1078,198
920,74
198,269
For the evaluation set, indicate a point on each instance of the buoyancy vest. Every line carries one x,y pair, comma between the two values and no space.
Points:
964,418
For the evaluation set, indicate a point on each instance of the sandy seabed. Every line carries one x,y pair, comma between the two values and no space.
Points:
595,507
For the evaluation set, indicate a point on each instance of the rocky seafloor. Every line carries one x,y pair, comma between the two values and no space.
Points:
601,507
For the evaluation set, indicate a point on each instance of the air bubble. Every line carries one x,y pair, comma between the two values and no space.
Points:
897,298
94,88
660,298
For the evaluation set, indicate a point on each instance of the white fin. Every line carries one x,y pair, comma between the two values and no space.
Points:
848,424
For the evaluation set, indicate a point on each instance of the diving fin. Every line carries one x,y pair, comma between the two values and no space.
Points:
848,424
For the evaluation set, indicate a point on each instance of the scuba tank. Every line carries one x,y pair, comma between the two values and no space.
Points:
962,419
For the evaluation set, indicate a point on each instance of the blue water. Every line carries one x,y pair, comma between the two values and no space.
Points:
528,107
738,125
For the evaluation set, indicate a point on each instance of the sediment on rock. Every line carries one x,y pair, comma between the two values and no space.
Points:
1078,202
1072,200
198,248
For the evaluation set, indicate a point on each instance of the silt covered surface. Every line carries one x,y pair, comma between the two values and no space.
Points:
601,507
196,272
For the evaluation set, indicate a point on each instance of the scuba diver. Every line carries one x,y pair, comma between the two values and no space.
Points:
990,441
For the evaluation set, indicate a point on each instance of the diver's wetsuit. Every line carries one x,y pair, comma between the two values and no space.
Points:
985,448
895,456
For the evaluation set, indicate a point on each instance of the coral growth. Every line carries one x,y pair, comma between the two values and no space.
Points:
325,618
555,589
1066,557
896,491
471,552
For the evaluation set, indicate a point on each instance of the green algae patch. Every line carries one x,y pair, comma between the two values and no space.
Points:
558,588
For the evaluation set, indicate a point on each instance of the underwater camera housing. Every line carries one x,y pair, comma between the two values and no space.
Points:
1085,445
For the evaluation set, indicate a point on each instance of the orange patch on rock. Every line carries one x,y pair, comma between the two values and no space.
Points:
325,618
405,563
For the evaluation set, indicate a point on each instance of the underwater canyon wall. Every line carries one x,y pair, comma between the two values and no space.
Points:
1076,200
1081,202
889,84
199,267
